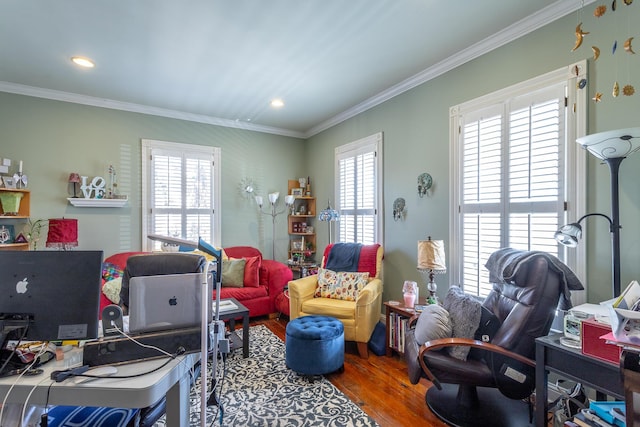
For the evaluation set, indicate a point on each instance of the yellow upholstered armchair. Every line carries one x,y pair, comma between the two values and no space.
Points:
359,317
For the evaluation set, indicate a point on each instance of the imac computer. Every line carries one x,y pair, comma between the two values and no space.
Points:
49,295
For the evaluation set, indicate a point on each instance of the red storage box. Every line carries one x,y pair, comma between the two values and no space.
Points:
593,345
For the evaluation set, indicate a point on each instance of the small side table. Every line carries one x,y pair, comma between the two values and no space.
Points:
303,269
397,317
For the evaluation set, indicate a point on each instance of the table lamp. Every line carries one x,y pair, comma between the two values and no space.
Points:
63,233
431,259
74,178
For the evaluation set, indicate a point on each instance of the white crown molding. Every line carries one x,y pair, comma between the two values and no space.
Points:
137,108
517,30
525,26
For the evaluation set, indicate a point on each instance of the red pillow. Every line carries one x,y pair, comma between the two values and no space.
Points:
251,272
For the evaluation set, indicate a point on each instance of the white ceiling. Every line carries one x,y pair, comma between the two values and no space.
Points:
222,61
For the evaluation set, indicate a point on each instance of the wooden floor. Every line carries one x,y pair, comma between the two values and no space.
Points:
379,385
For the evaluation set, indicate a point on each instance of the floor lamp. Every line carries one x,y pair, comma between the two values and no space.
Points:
612,147
330,215
273,200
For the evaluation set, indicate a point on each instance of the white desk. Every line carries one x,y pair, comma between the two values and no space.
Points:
171,381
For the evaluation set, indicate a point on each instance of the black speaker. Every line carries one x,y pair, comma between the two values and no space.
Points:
115,350
112,320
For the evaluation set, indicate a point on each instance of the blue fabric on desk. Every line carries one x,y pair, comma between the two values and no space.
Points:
344,257
89,416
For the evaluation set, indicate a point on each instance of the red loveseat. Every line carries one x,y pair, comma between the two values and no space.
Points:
264,279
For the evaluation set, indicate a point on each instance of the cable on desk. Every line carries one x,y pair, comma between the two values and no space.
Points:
79,372
6,362
26,401
24,371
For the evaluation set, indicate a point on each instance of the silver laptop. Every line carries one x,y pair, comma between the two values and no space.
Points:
165,302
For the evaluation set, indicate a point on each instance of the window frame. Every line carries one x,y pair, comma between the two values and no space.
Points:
147,148
372,143
574,161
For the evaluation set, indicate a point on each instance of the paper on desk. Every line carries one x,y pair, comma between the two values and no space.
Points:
625,325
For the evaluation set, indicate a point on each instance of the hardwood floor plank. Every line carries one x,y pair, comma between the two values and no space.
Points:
379,385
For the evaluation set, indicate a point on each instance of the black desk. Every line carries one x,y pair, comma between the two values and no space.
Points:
572,364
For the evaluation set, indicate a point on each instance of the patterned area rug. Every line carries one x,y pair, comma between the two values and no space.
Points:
261,391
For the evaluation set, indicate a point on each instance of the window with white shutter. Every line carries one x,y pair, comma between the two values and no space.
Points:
358,182
513,152
180,194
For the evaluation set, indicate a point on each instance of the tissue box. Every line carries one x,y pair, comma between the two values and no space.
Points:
593,345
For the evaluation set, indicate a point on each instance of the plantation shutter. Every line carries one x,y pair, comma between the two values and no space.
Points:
357,172
512,180
181,193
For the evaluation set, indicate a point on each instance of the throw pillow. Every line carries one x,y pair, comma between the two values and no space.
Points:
111,290
251,271
432,324
233,272
464,312
110,271
340,285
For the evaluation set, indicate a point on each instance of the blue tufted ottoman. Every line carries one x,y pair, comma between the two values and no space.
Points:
314,345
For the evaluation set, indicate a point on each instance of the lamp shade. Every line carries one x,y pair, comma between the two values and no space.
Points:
63,233
328,214
612,144
74,177
568,235
273,197
431,256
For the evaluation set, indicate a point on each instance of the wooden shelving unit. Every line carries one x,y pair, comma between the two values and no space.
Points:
303,216
23,214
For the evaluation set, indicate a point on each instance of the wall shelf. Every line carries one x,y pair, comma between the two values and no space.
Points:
81,202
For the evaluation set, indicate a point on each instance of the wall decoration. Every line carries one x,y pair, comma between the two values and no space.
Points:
580,34
247,188
398,208
95,190
424,184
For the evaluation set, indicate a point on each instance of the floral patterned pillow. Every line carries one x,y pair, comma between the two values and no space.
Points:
340,285
111,271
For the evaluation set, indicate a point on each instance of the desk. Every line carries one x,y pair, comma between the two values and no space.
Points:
570,363
171,381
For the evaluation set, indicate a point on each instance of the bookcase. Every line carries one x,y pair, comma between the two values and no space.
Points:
301,222
14,220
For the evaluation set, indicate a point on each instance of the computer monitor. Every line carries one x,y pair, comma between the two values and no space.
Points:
54,294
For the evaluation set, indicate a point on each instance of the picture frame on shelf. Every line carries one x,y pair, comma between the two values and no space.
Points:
9,182
7,234
296,245
297,191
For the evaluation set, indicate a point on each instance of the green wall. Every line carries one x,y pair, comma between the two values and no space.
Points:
55,138
416,139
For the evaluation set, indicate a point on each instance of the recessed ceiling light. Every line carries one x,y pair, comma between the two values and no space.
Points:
83,62
277,103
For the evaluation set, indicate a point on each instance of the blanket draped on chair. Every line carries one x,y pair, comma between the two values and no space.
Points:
344,257
504,263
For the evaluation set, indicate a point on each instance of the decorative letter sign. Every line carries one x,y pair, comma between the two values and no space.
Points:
97,187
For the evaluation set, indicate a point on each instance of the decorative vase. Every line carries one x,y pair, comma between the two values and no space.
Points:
10,202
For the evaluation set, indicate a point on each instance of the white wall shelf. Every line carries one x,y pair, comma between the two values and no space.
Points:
81,202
